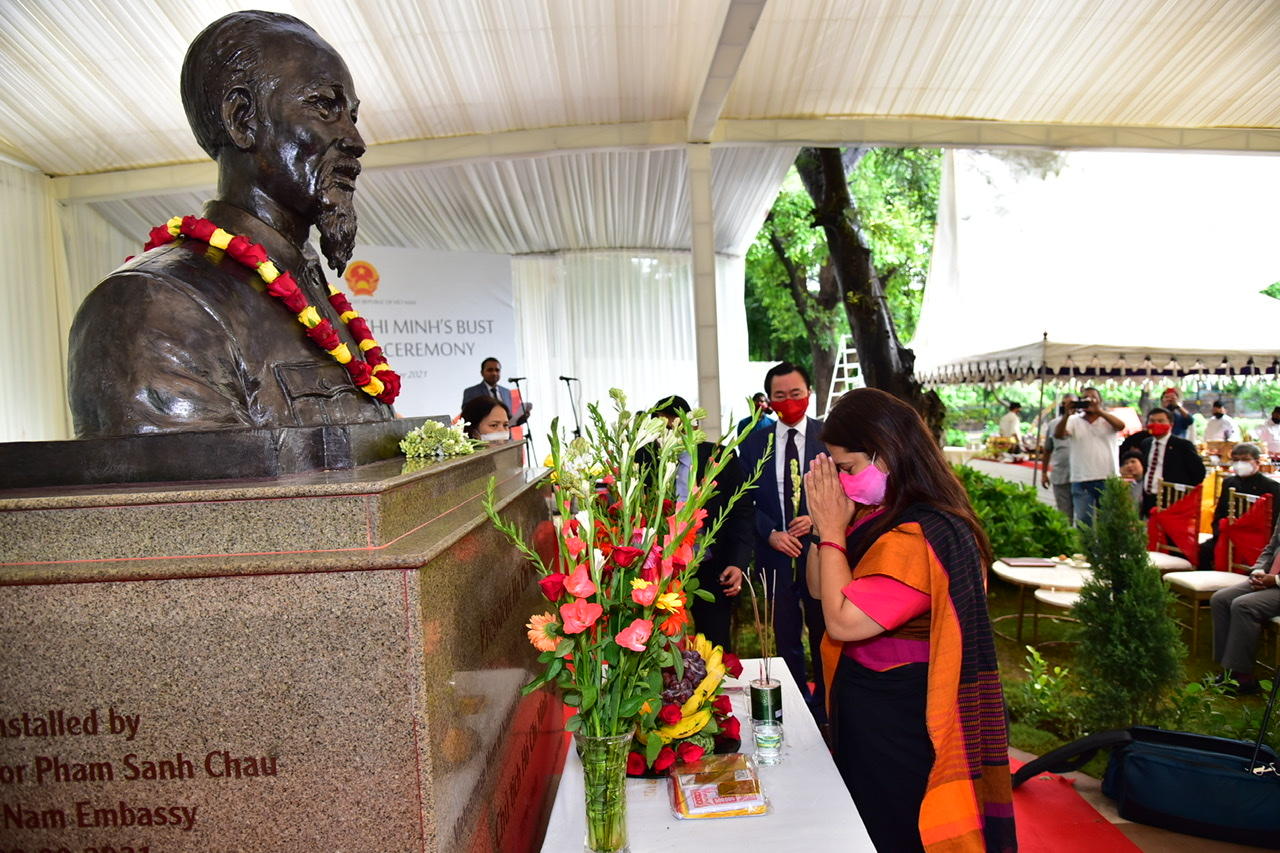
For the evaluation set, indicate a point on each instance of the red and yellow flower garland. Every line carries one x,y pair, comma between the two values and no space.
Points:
372,375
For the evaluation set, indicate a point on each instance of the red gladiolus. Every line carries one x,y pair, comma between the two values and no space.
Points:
579,615
670,714
665,759
575,545
579,582
573,526
732,664
608,479
552,586
689,752
722,705
730,729
635,764
635,635
624,556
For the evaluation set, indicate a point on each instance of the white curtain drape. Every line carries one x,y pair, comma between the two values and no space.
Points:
618,320
36,302
94,248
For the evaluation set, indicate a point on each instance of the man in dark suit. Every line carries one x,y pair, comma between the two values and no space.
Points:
1166,457
491,372
1240,611
720,570
780,526
1247,479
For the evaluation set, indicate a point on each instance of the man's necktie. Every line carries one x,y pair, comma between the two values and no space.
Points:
788,485
493,390
1157,451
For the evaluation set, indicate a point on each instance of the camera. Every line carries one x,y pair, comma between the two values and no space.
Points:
1080,405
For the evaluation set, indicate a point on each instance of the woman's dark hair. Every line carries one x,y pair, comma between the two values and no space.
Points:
876,423
477,409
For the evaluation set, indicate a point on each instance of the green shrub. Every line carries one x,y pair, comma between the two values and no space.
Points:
1130,653
956,437
1046,699
1017,522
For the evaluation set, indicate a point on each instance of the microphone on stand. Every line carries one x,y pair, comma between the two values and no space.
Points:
573,404
516,379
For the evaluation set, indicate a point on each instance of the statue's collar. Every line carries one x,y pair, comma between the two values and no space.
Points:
281,250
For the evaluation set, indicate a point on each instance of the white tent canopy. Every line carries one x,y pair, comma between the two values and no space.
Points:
621,128
1117,265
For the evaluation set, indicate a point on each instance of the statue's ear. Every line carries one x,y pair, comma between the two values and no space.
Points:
239,117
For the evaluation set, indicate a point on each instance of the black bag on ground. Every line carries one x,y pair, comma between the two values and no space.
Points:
1198,785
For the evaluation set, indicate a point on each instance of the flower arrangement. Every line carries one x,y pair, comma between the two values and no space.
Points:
624,571
695,716
434,440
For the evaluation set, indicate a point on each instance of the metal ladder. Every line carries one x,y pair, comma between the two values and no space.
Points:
846,375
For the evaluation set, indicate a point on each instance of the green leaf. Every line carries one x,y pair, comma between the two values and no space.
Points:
563,650
572,699
704,595
573,723
590,693
652,748
632,706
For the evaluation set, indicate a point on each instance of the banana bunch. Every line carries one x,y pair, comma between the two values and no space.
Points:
696,712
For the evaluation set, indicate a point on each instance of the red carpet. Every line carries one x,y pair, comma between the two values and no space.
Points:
1052,817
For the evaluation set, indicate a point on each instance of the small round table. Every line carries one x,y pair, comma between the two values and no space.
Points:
1057,578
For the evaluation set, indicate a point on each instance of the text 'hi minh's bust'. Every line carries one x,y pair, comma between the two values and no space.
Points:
184,337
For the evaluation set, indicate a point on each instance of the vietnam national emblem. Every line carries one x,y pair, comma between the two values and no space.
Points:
362,278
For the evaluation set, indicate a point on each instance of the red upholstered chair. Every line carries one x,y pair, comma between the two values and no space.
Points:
1180,523
1244,532
1174,524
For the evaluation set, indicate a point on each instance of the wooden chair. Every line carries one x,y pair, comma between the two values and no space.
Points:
1164,554
1193,589
1237,505
1270,638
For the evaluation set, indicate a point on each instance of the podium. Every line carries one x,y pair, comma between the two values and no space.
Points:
318,661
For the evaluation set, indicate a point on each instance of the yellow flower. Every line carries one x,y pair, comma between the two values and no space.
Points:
540,633
669,601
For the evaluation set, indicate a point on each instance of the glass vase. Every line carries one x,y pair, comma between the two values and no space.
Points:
604,774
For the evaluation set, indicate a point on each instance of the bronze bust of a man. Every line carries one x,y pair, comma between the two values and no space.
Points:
185,337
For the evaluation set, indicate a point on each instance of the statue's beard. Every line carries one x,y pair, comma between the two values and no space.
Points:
337,227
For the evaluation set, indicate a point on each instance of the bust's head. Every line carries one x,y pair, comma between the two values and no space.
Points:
274,104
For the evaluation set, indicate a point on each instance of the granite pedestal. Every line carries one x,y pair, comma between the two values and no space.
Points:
324,661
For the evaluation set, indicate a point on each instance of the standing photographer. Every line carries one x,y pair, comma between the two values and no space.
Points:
1093,433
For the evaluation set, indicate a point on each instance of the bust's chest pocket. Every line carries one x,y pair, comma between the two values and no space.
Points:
315,392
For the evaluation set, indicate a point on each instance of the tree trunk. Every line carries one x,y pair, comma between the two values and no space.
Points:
816,312
885,363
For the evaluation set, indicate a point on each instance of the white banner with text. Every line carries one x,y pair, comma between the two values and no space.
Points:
437,316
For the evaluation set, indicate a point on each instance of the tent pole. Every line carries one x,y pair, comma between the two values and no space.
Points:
1035,464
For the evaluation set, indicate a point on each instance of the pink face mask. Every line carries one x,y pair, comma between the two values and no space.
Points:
867,486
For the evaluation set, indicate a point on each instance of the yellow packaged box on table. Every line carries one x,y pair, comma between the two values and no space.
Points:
717,786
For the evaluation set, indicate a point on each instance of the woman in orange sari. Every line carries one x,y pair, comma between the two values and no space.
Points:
917,714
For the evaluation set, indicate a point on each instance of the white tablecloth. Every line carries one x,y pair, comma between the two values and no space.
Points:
810,806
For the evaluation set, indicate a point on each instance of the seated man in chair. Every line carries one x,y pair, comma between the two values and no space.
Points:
1240,611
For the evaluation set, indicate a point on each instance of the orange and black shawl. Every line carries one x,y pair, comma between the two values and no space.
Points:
968,804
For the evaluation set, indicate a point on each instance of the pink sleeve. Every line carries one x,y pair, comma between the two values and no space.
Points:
889,602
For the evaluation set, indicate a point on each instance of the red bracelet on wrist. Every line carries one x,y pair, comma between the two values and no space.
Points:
826,543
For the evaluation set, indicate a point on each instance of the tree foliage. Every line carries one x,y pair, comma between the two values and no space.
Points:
883,203
1130,653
